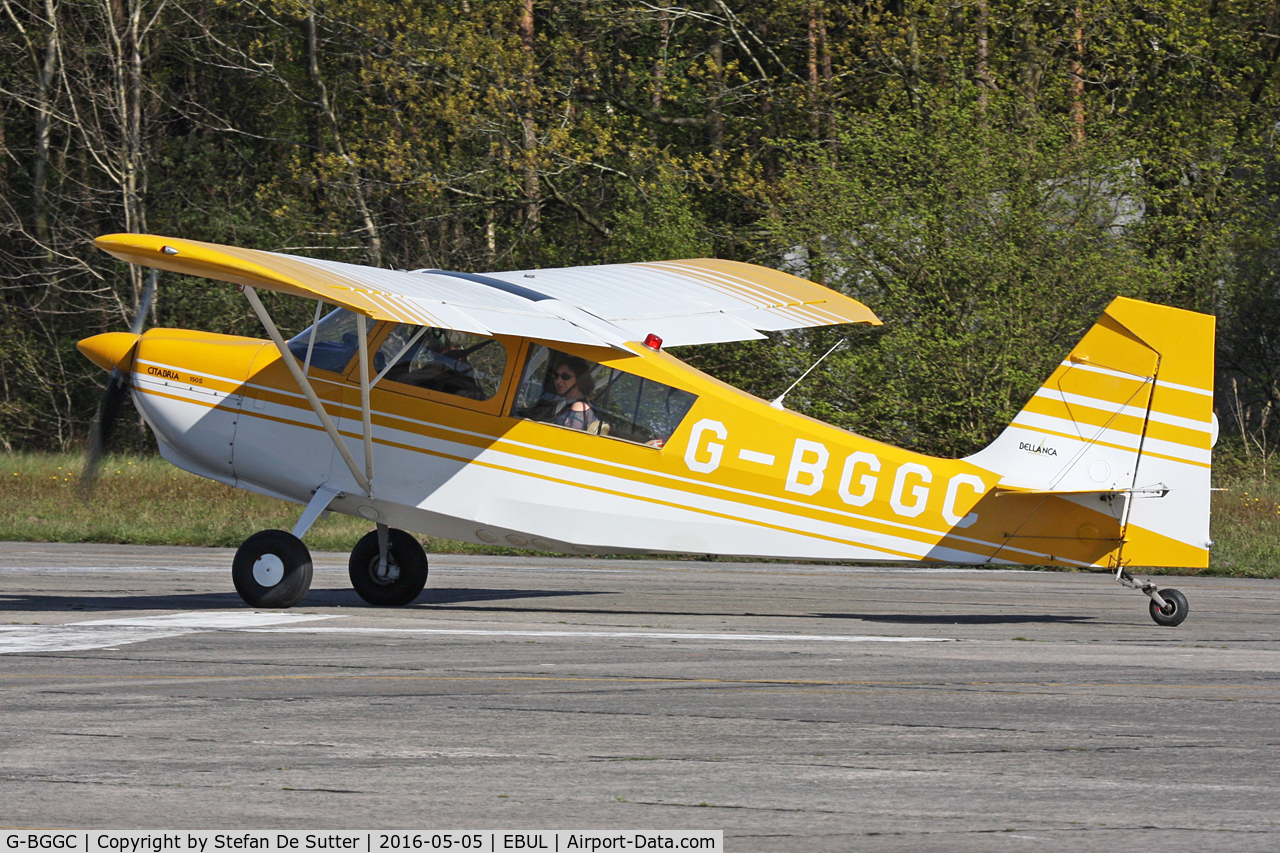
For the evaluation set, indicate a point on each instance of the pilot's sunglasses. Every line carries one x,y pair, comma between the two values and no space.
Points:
565,376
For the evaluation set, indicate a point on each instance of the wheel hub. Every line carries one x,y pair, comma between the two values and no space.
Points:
268,570
382,573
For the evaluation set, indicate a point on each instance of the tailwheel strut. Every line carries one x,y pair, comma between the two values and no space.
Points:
1168,606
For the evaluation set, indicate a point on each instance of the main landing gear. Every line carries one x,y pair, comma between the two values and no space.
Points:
273,568
1168,606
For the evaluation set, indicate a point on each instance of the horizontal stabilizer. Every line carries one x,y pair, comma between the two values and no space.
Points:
1158,491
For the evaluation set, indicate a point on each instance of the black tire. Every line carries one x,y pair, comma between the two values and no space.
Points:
272,569
1175,609
408,573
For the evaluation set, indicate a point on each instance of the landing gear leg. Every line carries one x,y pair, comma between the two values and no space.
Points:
384,546
1168,606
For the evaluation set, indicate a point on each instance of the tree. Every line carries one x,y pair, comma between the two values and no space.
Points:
986,253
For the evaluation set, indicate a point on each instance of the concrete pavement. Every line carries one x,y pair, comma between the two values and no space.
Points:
796,707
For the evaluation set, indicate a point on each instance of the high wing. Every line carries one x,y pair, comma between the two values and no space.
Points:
682,302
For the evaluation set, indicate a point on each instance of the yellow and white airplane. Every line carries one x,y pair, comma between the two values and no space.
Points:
538,409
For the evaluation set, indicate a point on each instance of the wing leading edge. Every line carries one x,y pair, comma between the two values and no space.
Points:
683,302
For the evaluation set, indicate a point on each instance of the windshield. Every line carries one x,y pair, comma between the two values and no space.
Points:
336,341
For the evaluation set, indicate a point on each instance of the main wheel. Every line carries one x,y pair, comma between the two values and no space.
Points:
1174,610
404,576
272,569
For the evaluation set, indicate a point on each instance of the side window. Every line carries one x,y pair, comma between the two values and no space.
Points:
335,342
442,360
572,392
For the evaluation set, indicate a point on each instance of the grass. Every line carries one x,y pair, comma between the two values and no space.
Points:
147,501
1246,529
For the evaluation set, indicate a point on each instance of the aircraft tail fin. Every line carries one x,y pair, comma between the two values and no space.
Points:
1125,421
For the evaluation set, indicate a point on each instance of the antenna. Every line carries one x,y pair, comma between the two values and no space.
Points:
777,404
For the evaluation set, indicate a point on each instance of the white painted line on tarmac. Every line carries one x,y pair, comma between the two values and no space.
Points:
108,569
212,620
111,633
609,635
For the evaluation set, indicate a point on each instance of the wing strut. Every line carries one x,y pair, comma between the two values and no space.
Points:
366,419
308,392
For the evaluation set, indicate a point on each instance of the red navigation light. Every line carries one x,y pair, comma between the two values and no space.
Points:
652,341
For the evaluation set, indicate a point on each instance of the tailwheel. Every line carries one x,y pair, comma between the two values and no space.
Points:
272,569
396,582
1173,611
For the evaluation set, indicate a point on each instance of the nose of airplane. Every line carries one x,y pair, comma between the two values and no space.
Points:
111,350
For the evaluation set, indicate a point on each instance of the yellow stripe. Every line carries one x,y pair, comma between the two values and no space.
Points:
1081,414
1120,389
201,403
1183,404
1178,435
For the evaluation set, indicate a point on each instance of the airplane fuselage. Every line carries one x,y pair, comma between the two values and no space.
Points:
737,476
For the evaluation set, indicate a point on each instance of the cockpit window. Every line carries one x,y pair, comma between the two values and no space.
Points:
443,360
572,392
336,341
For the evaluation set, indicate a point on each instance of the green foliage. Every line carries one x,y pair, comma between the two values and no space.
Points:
986,250
1245,519
954,165
1249,342
656,222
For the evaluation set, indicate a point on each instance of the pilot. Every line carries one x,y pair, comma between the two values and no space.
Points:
571,380
448,370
